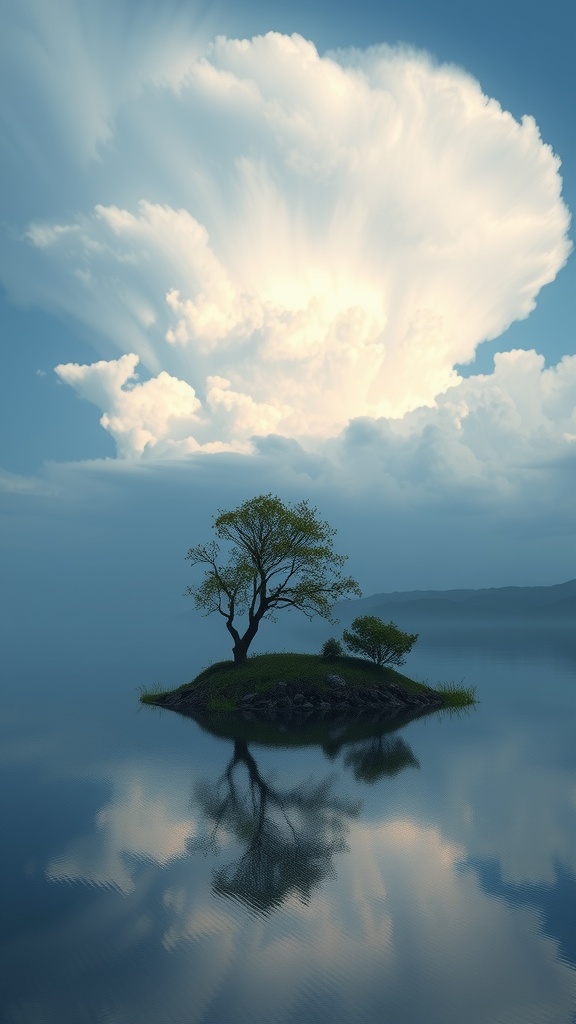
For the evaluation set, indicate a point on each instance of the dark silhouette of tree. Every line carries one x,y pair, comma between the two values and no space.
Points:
290,837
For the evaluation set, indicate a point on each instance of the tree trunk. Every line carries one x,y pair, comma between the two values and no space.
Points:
240,651
242,643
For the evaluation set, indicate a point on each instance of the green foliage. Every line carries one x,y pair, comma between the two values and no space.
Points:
380,641
279,556
332,649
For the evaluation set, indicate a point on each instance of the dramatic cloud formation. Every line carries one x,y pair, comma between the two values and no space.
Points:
157,415
494,434
291,240
284,255
491,439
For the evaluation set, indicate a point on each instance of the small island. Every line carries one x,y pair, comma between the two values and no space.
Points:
280,557
297,687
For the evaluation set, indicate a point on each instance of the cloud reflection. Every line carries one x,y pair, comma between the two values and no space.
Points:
132,827
404,927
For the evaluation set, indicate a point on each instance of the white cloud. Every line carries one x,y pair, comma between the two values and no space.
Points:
329,234
73,65
489,438
159,412
293,251
493,436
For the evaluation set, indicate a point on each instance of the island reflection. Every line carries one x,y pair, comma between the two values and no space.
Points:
287,837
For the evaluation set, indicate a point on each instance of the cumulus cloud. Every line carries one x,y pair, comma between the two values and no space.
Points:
156,415
328,235
285,254
495,440
496,435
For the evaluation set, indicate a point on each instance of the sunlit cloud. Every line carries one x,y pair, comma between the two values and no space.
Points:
297,239
505,437
494,436
285,254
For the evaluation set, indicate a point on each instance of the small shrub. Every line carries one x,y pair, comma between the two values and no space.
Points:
332,649
381,641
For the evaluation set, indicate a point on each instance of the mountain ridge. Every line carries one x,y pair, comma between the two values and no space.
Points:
551,603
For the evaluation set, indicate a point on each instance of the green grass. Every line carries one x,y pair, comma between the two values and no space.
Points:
150,696
224,683
457,696
262,671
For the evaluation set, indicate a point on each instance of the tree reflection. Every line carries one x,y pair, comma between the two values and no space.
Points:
379,756
290,836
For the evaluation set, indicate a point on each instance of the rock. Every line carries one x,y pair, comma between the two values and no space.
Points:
341,700
282,703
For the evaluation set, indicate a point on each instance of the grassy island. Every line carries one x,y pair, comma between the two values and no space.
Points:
302,685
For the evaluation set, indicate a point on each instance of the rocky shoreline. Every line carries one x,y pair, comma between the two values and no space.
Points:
298,701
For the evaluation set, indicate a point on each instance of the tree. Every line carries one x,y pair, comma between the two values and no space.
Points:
281,557
381,641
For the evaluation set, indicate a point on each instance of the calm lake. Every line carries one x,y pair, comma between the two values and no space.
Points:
153,871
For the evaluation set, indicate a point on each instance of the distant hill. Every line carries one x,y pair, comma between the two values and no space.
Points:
547,605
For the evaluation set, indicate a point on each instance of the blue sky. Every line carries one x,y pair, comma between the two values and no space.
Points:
334,260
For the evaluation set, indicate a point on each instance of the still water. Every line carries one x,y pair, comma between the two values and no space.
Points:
153,870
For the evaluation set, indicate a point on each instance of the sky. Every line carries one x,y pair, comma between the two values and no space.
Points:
322,250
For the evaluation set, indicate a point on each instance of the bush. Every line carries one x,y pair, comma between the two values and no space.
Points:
332,649
380,641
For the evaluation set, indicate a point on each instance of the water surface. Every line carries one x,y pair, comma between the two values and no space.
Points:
154,870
